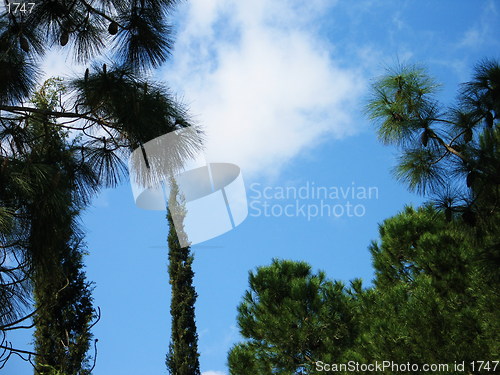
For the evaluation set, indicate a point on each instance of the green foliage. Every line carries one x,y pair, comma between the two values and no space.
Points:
248,359
482,95
403,103
18,73
43,200
451,153
133,106
62,295
437,276
137,32
62,336
435,295
291,318
47,177
113,110
183,357
430,302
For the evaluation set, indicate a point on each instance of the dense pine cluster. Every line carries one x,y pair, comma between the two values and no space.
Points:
435,296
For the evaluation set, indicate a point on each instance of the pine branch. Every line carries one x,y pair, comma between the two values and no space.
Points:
448,147
98,12
23,110
18,350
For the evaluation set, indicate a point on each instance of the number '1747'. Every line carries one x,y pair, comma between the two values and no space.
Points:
20,7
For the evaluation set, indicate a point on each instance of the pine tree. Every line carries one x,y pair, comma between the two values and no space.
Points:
450,154
183,357
430,302
291,318
435,294
437,277
136,33
114,108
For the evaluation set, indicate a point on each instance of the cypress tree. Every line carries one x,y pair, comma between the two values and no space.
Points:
182,357
62,294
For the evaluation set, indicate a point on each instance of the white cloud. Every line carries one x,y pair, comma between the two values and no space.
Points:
213,373
260,80
483,31
397,20
472,37
58,62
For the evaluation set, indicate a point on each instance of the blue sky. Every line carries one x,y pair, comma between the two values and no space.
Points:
279,88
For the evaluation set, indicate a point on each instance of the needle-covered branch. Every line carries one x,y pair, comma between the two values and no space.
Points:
444,148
